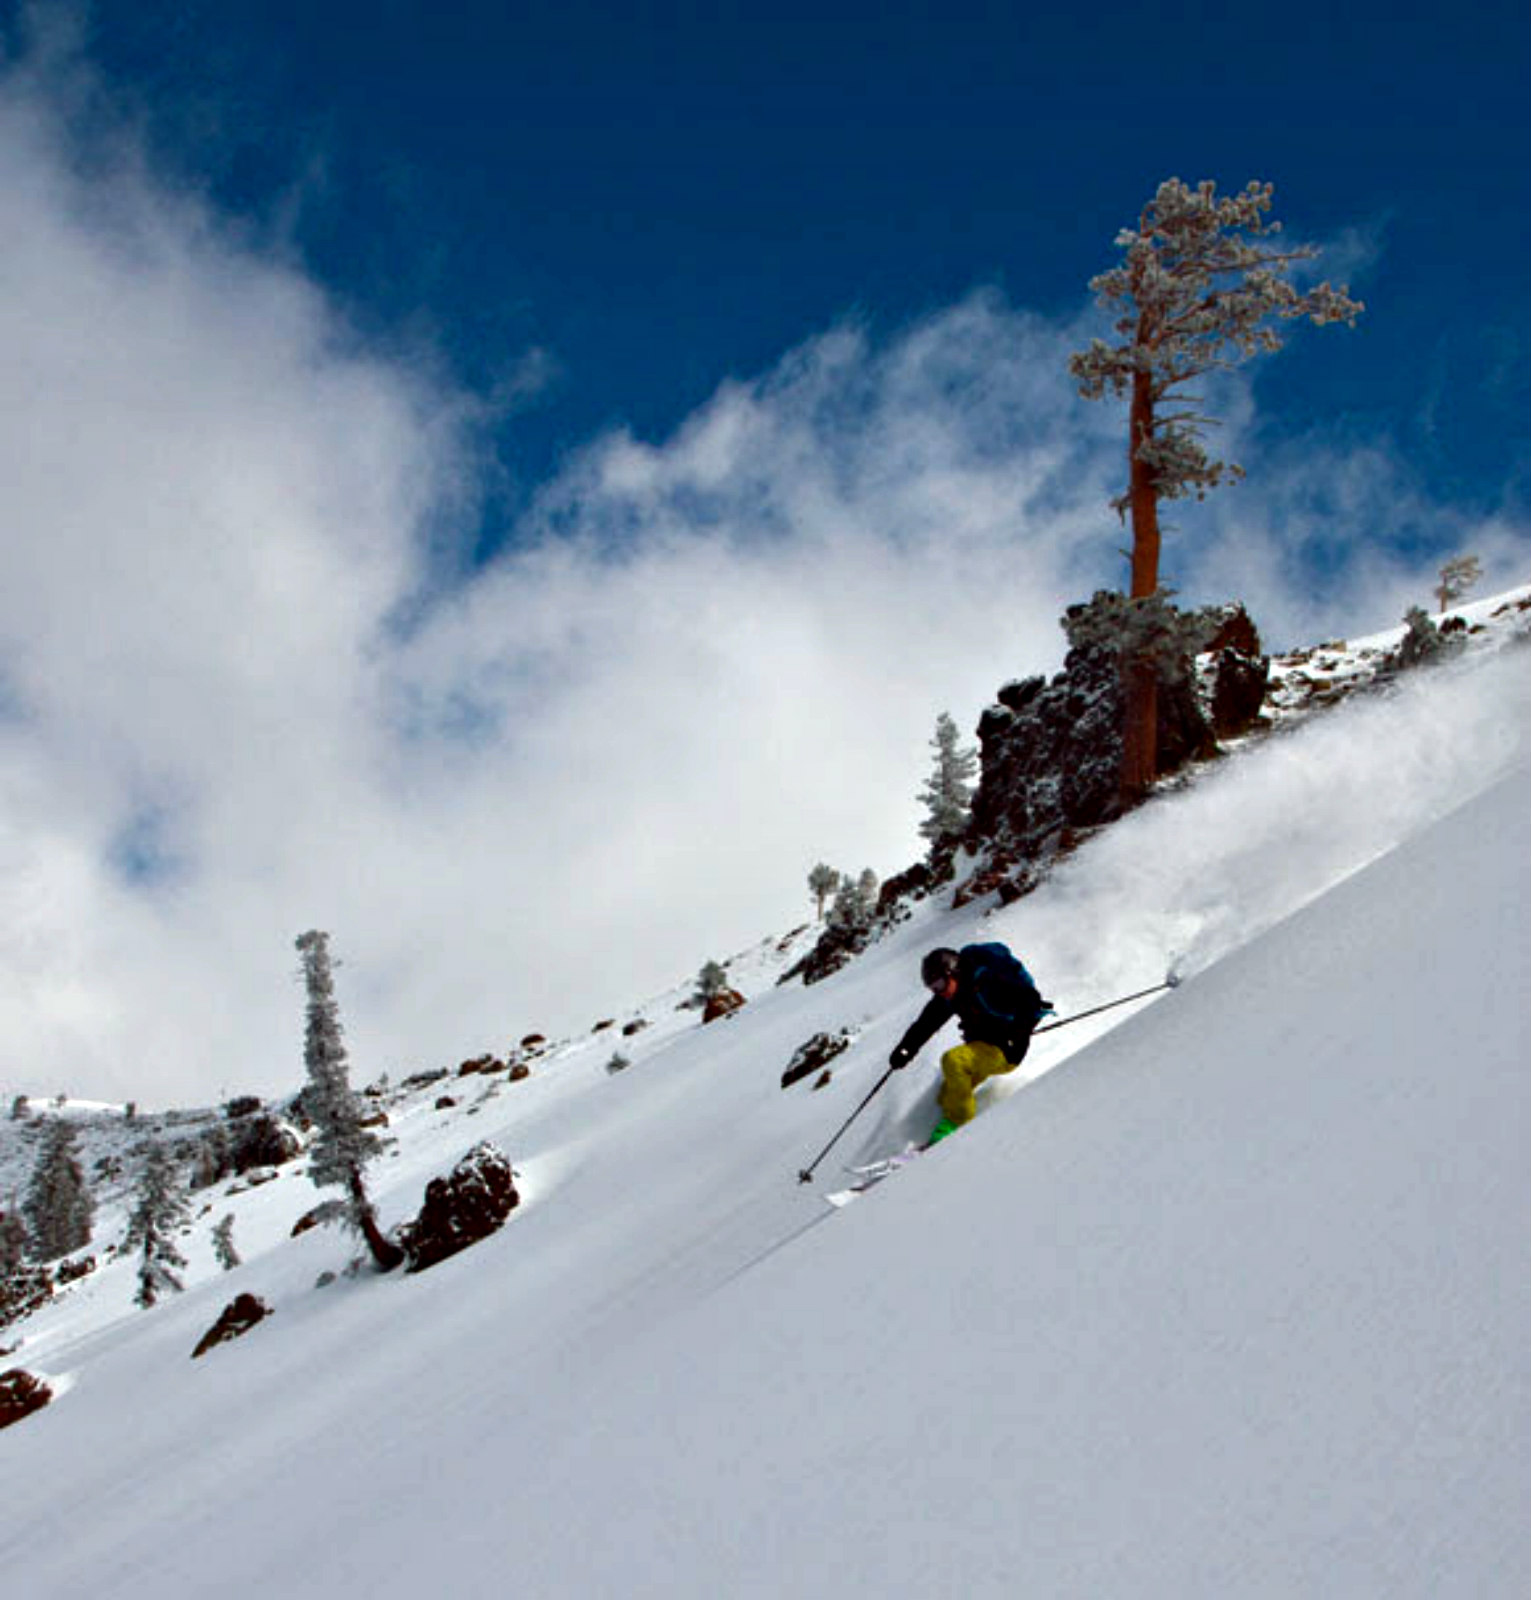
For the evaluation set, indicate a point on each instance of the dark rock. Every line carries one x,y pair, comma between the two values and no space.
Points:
423,1080
21,1393
838,945
1017,695
815,1053
468,1205
73,1271
520,1072
631,1028
1239,684
262,1141
722,1004
239,1316
913,883
485,1063
1236,631
1050,753
325,1212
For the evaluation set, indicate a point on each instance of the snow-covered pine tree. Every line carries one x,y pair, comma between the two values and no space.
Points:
342,1145
856,903
711,981
21,1286
822,882
159,1209
1423,642
224,1250
13,1242
1457,576
948,792
58,1204
1197,293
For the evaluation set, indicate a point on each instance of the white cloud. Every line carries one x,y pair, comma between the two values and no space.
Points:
704,663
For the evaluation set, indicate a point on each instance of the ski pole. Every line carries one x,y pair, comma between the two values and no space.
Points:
1171,981
806,1175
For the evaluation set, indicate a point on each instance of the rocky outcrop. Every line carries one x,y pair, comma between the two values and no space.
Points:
839,943
262,1140
241,1314
722,1003
1235,674
845,938
21,1393
470,1203
1050,753
484,1063
1050,762
816,1053
72,1271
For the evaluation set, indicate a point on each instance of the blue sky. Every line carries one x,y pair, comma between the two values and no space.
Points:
621,206
456,467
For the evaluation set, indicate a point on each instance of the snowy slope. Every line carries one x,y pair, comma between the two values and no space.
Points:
1236,1302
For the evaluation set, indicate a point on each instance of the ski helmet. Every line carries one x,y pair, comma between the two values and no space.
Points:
938,967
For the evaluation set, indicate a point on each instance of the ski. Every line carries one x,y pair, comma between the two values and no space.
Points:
870,1175
886,1164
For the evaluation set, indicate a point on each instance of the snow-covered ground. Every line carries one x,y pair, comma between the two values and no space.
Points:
1223,1294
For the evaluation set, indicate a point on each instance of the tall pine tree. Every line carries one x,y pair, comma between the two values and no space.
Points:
342,1146
58,1205
1197,292
159,1209
948,792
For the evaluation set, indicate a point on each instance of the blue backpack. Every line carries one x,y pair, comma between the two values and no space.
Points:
1003,989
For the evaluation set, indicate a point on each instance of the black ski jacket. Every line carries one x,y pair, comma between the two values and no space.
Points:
993,1005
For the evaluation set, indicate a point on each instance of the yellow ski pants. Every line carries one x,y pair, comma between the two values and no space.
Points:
962,1070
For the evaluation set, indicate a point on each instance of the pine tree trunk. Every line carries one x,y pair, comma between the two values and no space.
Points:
384,1251
1140,686
1143,494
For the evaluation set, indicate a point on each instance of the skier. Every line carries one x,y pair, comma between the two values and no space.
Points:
996,1004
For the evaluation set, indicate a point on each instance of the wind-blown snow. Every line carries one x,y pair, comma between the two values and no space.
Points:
1232,1300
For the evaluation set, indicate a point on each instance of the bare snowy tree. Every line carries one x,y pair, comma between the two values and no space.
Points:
1198,292
342,1145
1457,576
58,1205
948,792
822,882
159,1209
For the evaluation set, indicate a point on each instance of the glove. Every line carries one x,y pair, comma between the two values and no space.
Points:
900,1058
